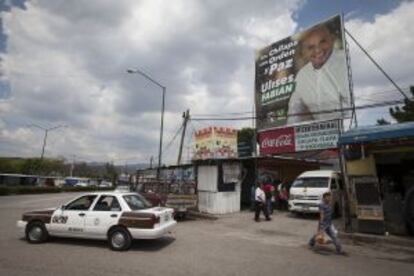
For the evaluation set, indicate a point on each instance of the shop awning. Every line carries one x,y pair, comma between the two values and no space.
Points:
377,133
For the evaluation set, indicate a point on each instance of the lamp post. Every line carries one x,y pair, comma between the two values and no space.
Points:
136,71
46,130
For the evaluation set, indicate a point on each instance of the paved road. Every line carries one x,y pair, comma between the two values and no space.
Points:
232,245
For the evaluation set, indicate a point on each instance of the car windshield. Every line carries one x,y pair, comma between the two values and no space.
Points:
137,202
311,182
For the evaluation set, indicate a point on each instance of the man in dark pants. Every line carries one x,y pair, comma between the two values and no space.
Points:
268,190
325,223
260,203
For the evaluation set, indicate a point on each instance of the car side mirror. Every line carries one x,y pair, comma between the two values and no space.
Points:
63,207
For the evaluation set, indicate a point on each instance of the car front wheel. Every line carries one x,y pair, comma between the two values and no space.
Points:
119,239
36,232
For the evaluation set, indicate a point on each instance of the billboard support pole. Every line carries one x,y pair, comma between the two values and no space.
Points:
377,65
350,80
342,164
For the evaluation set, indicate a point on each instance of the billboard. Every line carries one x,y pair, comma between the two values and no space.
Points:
303,77
314,136
215,142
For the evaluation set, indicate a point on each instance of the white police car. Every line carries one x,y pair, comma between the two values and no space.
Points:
114,216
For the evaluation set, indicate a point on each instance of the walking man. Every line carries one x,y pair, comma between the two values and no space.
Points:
260,203
268,190
325,223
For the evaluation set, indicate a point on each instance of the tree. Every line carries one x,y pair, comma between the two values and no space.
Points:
44,166
111,172
245,141
245,135
406,112
11,165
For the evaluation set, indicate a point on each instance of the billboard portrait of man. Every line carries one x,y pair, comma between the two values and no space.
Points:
322,84
303,78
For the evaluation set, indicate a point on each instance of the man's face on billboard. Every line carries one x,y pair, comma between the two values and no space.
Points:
318,46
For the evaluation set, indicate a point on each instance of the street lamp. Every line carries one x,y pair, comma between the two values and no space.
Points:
46,130
136,71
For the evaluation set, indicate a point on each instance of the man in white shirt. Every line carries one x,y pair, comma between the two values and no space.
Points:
322,84
260,200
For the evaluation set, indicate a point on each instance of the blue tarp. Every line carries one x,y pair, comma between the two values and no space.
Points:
376,133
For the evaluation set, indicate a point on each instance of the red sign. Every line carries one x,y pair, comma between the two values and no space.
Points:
307,137
277,141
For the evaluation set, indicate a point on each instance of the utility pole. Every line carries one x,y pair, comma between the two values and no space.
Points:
72,166
46,130
151,160
186,117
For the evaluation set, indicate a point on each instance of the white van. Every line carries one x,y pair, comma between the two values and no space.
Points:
307,190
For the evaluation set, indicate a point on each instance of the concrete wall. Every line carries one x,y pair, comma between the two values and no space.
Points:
207,178
219,202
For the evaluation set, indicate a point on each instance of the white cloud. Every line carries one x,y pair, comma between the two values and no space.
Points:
389,40
66,63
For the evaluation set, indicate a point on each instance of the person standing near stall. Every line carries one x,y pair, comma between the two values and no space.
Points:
260,203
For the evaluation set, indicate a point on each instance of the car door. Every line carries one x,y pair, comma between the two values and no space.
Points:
69,220
104,214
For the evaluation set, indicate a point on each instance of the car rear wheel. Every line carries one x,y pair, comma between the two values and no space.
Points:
119,239
36,232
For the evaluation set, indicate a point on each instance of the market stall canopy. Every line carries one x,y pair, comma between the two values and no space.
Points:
377,133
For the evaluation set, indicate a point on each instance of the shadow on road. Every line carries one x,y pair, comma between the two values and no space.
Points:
185,219
327,251
306,216
137,245
151,245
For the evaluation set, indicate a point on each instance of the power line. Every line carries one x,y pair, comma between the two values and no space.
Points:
221,114
359,97
382,93
388,103
173,139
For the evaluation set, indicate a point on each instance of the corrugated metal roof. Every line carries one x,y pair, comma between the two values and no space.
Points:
377,133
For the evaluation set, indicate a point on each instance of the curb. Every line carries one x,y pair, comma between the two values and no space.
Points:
383,240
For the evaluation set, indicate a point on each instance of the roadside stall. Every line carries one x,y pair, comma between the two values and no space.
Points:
218,185
379,164
218,170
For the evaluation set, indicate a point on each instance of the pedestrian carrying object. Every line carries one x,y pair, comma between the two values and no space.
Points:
321,239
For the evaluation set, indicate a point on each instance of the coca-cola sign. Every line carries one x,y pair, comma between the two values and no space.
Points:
315,136
277,141
281,141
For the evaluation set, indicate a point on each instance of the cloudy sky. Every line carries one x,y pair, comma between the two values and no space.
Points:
63,63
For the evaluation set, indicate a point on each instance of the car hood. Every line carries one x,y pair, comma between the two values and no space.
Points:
44,215
41,211
306,191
